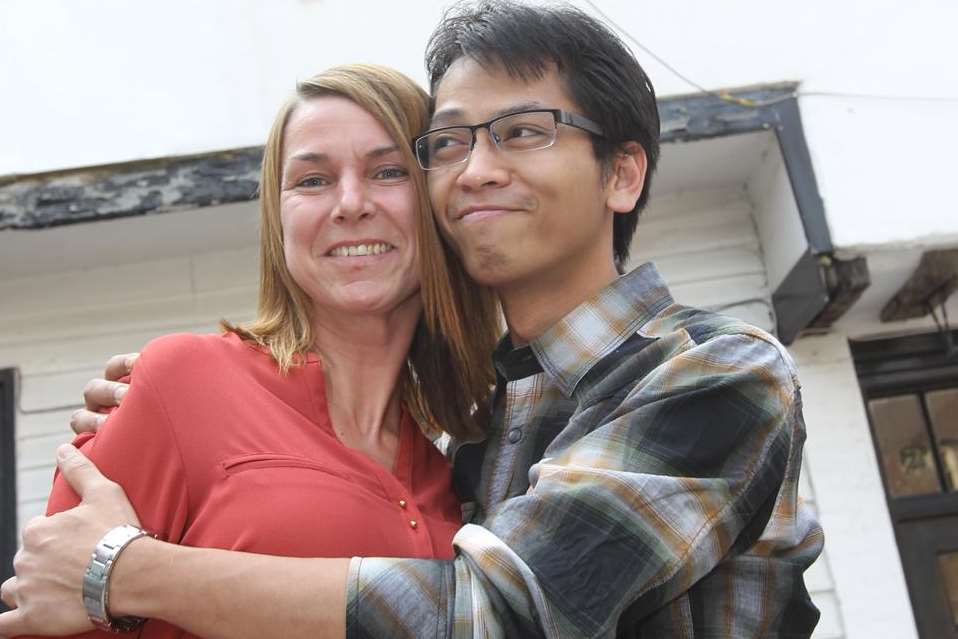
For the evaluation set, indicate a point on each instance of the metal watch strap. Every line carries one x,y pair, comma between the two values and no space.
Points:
96,579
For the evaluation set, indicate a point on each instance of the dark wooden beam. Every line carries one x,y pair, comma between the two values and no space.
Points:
105,192
156,186
845,281
935,279
708,115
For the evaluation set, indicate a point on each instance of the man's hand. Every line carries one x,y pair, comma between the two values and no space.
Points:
100,395
46,593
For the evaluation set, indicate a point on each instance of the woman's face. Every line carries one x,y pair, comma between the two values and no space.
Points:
347,208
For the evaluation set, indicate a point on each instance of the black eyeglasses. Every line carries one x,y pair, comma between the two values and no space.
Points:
521,131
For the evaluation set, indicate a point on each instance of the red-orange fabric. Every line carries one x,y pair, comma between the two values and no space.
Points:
216,448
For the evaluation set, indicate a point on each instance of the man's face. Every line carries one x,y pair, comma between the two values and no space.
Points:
518,218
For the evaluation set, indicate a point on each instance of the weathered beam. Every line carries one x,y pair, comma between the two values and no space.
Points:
708,115
845,281
935,279
124,190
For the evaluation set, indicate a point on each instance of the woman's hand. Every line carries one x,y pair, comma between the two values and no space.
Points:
46,593
100,395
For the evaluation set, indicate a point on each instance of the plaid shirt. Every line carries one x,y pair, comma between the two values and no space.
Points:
640,478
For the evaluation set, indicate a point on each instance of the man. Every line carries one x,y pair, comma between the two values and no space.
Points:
640,474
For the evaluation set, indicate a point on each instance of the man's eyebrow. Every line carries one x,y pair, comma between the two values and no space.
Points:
446,117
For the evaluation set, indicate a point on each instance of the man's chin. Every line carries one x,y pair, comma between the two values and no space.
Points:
491,268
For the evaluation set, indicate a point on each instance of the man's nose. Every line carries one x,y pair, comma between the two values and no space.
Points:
485,165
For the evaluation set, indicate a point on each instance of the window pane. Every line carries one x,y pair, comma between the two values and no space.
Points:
903,445
948,565
943,411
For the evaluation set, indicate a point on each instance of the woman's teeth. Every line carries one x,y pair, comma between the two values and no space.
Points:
361,249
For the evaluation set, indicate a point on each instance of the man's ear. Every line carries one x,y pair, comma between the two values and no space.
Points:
627,177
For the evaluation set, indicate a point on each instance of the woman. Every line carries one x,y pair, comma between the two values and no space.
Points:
297,435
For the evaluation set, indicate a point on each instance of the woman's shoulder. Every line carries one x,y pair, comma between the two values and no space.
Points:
193,353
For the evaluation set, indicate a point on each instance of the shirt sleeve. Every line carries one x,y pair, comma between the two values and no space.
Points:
135,447
685,470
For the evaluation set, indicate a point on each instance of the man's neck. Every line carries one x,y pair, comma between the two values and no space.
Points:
533,306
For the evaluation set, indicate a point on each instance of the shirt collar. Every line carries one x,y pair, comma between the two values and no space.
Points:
577,342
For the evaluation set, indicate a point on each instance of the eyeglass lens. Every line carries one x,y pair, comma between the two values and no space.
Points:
516,132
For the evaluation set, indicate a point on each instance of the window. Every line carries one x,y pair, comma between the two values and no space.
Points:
910,387
8,478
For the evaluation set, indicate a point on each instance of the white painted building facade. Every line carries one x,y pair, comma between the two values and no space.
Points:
85,84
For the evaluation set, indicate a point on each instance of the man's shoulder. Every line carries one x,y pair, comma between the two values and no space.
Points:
687,345
705,330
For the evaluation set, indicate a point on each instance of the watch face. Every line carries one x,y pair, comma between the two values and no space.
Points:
120,534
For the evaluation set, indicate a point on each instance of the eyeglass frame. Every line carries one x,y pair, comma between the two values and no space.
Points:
559,116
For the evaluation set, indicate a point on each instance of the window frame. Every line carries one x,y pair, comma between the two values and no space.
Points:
8,475
923,524
915,364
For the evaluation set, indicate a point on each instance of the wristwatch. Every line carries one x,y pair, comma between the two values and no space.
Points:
96,579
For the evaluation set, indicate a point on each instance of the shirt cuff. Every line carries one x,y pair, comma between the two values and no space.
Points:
398,598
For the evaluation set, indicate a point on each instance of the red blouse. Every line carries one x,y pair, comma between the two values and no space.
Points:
216,448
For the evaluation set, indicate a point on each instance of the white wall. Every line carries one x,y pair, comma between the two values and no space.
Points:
110,81
706,247
777,218
865,567
58,339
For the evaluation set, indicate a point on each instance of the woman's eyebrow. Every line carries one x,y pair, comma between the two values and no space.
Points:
315,158
382,150
309,156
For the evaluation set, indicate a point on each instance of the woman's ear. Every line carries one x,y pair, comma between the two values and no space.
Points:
627,177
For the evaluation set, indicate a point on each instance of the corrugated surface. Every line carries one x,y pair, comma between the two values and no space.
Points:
706,246
53,334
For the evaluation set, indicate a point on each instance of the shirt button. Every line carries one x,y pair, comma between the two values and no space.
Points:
402,503
514,436
413,524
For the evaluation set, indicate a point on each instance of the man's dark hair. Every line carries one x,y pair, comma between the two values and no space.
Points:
599,72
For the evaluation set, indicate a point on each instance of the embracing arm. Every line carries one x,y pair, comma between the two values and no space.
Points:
207,592
628,517
219,593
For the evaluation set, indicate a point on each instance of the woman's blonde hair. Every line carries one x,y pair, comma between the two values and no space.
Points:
449,370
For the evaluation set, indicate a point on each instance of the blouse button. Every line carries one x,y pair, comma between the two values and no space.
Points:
514,436
402,503
413,524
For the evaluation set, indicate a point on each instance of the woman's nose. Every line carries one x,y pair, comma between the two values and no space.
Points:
354,203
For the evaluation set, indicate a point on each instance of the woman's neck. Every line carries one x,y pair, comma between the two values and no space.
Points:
363,358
